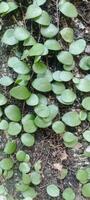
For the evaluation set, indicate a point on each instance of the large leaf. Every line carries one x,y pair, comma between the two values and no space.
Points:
9,38
14,128
37,50
4,7
33,11
83,85
67,34
18,65
52,44
42,85
42,110
86,190
84,64
68,9
20,92
6,81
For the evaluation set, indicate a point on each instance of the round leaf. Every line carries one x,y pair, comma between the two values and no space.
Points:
86,190
43,19
10,147
86,103
9,38
33,11
20,92
52,44
58,127
84,63
82,176
14,128
6,81
53,190
27,140
71,118
37,50
86,135
49,31
35,178
33,100
42,110
42,85
67,34
4,7
13,113
77,47
3,99
21,33
65,58
68,9
68,194
6,164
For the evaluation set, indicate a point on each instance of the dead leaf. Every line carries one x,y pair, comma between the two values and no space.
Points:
57,166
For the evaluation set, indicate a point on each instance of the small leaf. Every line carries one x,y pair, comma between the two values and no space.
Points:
3,99
6,164
70,140
67,34
21,33
52,44
71,118
35,178
77,47
14,128
84,63
9,38
42,85
86,190
86,135
20,92
82,176
58,127
68,194
33,100
4,7
68,9
49,31
37,50
53,190
6,81
29,41
33,11
39,67
3,125
27,139
42,110
20,156
86,103
65,58
10,147
83,85
43,19
24,167
58,88
13,113
18,66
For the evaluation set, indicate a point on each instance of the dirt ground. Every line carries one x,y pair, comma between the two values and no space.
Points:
49,148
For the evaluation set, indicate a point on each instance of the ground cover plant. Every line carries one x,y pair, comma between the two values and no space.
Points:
44,102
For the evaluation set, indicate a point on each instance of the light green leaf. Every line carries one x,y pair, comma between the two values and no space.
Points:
3,125
20,92
6,81
24,168
27,139
58,127
18,66
49,31
86,190
9,38
37,50
21,33
12,6
77,47
65,58
10,147
42,110
68,194
13,113
3,99
33,11
42,85
29,41
14,128
6,164
84,63
58,88
67,34
82,176
35,178
33,100
39,67
86,135
83,85
52,44
86,103
43,19
39,2
4,7
53,190
71,118
68,9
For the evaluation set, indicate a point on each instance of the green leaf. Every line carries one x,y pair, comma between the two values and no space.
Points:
24,167
3,125
66,76
18,66
39,67
10,147
42,110
41,123
52,44
39,2
20,92
21,187
70,140
58,88
58,127
42,85
33,100
14,128
86,103
26,179
86,135
42,99
20,156
29,41
28,125
12,6
68,194
49,31
6,164
53,190
82,115
27,140
43,19
82,176
84,63
37,166
65,58
6,81
77,47
35,178
68,96
4,7
13,113
33,11
21,33
30,193
67,34
3,99
37,50
68,9
83,85
71,118
86,190
3,190
9,38
47,75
